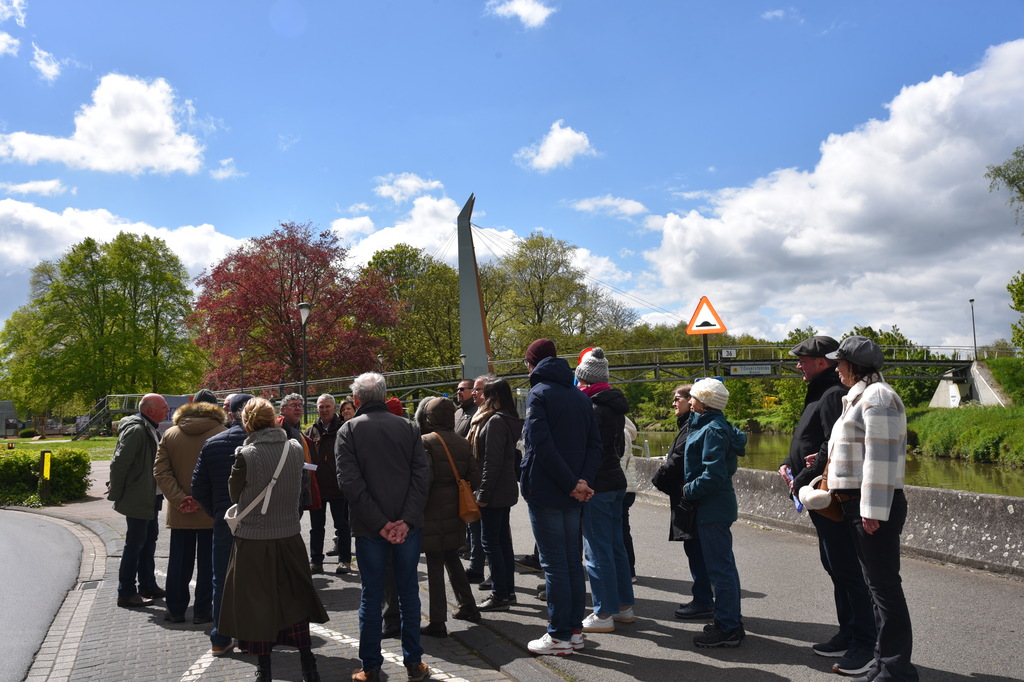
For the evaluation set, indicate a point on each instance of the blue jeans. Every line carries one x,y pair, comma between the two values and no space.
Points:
476,548
557,534
222,541
186,545
318,526
138,558
605,552
716,548
701,587
627,533
496,537
853,603
373,554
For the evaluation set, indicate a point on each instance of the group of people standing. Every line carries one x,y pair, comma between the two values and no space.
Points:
393,484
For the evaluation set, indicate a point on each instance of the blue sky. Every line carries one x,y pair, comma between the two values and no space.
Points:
799,164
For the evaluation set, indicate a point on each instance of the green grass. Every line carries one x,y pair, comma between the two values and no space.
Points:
1009,372
99,447
971,432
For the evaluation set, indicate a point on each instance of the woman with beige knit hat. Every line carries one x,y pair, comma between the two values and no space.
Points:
710,460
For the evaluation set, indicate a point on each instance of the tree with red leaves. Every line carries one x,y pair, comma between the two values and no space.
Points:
248,312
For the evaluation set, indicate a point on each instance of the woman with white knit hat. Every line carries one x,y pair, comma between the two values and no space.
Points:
710,460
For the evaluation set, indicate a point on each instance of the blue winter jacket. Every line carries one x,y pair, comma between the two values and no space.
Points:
213,468
563,445
710,459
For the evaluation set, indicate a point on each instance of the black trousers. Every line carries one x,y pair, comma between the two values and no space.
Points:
879,555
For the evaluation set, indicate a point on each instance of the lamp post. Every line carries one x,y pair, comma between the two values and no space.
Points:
974,331
380,363
241,366
304,310
462,361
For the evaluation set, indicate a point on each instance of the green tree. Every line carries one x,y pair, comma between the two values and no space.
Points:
1010,175
104,318
426,292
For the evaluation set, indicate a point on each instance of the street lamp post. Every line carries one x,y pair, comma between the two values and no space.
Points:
974,331
304,310
241,366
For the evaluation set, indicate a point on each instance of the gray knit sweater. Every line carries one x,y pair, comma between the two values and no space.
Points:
254,467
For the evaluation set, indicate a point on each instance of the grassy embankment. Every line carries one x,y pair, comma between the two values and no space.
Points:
973,432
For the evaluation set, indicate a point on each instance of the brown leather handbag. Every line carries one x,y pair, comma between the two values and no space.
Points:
469,510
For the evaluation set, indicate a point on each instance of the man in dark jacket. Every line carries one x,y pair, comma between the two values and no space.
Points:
563,450
323,434
210,490
467,407
611,586
854,644
383,472
133,492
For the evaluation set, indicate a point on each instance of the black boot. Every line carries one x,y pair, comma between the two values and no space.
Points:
263,668
309,673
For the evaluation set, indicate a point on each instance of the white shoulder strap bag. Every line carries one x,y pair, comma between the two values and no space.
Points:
233,515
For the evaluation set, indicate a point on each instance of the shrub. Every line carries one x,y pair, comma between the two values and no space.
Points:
27,433
19,476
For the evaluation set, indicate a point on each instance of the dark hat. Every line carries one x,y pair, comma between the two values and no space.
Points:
814,347
593,368
540,349
238,401
859,350
205,395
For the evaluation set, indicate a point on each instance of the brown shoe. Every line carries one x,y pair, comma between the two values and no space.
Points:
134,602
366,675
155,593
418,672
316,569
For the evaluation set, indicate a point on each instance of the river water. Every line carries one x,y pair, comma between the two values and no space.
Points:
766,452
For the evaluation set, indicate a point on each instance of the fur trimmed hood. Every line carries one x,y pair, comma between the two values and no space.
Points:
195,418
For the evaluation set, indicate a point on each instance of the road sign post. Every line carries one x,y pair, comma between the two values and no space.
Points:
705,321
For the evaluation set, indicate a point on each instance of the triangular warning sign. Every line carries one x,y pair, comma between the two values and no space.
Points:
705,320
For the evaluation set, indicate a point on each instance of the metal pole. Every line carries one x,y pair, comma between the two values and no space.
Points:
304,309
707,366
974,332
241,366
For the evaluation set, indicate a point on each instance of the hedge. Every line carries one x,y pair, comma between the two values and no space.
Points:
20,483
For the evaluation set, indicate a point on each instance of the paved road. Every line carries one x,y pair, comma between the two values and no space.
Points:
966,623
38,565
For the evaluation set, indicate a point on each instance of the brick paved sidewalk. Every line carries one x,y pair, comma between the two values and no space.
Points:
92,639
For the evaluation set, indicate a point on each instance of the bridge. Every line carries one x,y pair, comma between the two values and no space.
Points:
678,365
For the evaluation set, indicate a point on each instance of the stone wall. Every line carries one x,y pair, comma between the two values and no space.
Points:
969,529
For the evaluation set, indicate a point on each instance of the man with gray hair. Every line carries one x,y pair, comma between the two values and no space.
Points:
322,436
383,472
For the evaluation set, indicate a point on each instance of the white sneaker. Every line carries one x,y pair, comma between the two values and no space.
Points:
549,646
577,640
626,615
597,623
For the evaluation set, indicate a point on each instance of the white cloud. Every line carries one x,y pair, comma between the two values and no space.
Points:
895,224
600,268
286,142
558,148
615,206
429,225
360,207
15,9
29,234
404,186
45,63
47,188
128,128
774,14
226,170
349,229
532,13
8,44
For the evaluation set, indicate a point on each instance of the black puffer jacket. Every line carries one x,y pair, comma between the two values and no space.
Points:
210,478
610,408
670,476
496,449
